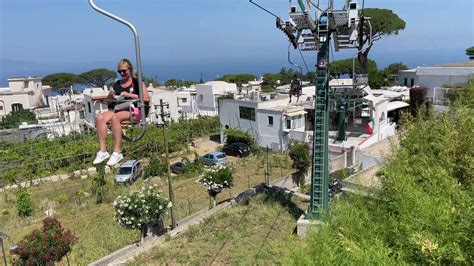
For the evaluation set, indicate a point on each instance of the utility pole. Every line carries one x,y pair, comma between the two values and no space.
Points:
267,172
164,117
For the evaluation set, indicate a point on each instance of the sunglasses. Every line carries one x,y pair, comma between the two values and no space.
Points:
122,71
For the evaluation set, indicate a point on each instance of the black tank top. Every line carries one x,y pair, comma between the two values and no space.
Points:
133,88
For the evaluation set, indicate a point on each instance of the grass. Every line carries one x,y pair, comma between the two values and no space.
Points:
98,233
257,233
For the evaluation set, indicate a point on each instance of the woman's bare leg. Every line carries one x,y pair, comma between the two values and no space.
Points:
101,127
117,119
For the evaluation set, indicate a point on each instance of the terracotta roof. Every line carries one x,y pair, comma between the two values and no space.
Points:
460,64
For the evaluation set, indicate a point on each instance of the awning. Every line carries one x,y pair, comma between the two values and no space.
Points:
396,105
296,113
372,98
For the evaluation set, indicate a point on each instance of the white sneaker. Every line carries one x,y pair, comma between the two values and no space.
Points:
115,158
101,156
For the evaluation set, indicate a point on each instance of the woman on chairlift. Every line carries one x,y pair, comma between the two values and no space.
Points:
125,89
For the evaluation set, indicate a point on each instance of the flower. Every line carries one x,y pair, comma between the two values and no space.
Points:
140,207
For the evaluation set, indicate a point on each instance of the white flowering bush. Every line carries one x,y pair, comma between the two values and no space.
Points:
216,179
137,209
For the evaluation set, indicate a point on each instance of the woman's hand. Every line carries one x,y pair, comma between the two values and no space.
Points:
111,94
128,95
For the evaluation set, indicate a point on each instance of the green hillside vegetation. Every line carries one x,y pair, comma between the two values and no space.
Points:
424,215
74,205
256,233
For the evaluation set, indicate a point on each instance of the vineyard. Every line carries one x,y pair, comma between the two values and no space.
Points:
35,159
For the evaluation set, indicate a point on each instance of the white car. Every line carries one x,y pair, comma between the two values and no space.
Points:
128,172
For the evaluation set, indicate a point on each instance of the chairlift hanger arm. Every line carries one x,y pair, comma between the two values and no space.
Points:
291,62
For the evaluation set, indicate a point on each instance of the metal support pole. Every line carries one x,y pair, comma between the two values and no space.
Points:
168,170
3,248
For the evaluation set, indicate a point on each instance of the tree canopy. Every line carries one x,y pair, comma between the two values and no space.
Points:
271,80
61,82
344,67
97,78
153,81
238,79
383,22
470,52
179,83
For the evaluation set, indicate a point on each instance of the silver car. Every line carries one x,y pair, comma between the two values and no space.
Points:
214,158
128,172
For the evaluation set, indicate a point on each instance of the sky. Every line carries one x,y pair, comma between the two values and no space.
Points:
184,39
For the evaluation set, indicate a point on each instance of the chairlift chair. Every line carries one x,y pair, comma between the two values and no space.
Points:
141,103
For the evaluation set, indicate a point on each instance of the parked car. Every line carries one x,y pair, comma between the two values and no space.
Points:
237,149
214,158
179,167
128,172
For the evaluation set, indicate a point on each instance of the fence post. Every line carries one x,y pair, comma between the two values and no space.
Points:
189,207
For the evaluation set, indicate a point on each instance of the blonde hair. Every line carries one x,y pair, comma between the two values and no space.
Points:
125,61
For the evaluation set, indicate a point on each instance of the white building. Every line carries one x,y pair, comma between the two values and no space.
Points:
187,103
436,76
169,97
209,92
273,123
93,105
23,93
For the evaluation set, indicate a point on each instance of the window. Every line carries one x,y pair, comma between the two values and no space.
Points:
17,107
288,124
184,100
25,84
270,120
1,108
405,82
89,107
201,97
247,113
412,82
81,115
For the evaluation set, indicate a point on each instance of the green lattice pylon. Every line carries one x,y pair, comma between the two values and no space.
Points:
320,172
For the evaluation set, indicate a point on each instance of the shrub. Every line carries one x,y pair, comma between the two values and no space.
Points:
217,179
137,209
99,184
155,168
24,203
15,118
45,246
62,198
234,135
193,167
300,156
417,99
